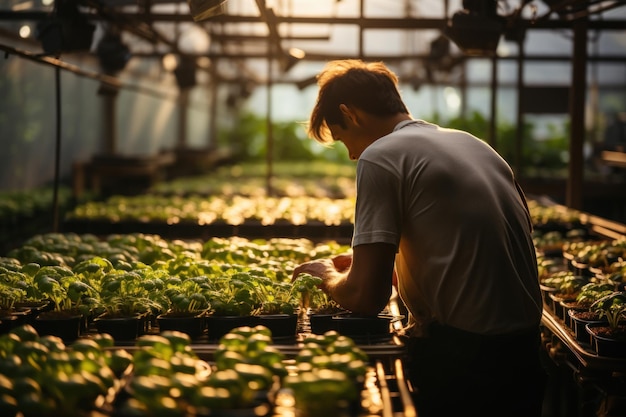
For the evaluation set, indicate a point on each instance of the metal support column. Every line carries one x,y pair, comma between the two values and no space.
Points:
577,115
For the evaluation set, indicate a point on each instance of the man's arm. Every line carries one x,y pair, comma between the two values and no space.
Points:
366,287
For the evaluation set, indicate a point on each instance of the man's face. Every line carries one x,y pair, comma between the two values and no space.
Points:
349,138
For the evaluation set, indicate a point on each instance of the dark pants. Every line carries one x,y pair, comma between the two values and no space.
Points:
457,373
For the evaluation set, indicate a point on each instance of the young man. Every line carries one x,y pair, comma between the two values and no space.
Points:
442,211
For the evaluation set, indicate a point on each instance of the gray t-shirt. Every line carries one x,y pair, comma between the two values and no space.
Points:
451,206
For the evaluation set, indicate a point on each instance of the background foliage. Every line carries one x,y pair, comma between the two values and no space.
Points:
247,140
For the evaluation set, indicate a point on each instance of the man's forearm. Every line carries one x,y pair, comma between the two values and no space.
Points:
350,296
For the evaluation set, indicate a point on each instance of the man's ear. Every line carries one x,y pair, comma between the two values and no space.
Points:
349,114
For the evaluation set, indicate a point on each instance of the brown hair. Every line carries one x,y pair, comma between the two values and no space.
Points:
371,87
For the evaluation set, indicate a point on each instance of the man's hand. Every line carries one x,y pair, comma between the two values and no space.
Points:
360,283
321,268
342,262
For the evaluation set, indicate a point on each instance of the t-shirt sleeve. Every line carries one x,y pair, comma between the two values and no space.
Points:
378,212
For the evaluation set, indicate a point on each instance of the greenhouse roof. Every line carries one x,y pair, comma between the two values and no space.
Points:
242,34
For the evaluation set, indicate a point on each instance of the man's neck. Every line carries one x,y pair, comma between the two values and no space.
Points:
386,125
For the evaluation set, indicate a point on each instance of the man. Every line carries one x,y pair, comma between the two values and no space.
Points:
440,211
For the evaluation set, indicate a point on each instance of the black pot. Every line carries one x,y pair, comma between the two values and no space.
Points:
67,327
574,306
580,268
557,304
605,345
218,326
121,328
579,323
363,326
322,323
36,307
22,315
192,324
7,323
281,325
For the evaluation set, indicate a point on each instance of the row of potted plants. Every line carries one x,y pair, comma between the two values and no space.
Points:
236,208
161,375
317,178
229,210
222,183
593,307
154,259
583,278
42,376
221,277
555,218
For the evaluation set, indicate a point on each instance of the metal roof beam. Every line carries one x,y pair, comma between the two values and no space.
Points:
259,38
393,58
268,16
366,23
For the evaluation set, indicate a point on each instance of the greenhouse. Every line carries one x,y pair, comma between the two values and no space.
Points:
313,208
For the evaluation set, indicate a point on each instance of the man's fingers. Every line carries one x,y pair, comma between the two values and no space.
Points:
317,268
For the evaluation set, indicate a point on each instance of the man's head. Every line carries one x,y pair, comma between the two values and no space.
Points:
357,85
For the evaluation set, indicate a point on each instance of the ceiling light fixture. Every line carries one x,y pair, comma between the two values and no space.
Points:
476,29
65,30
112,53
